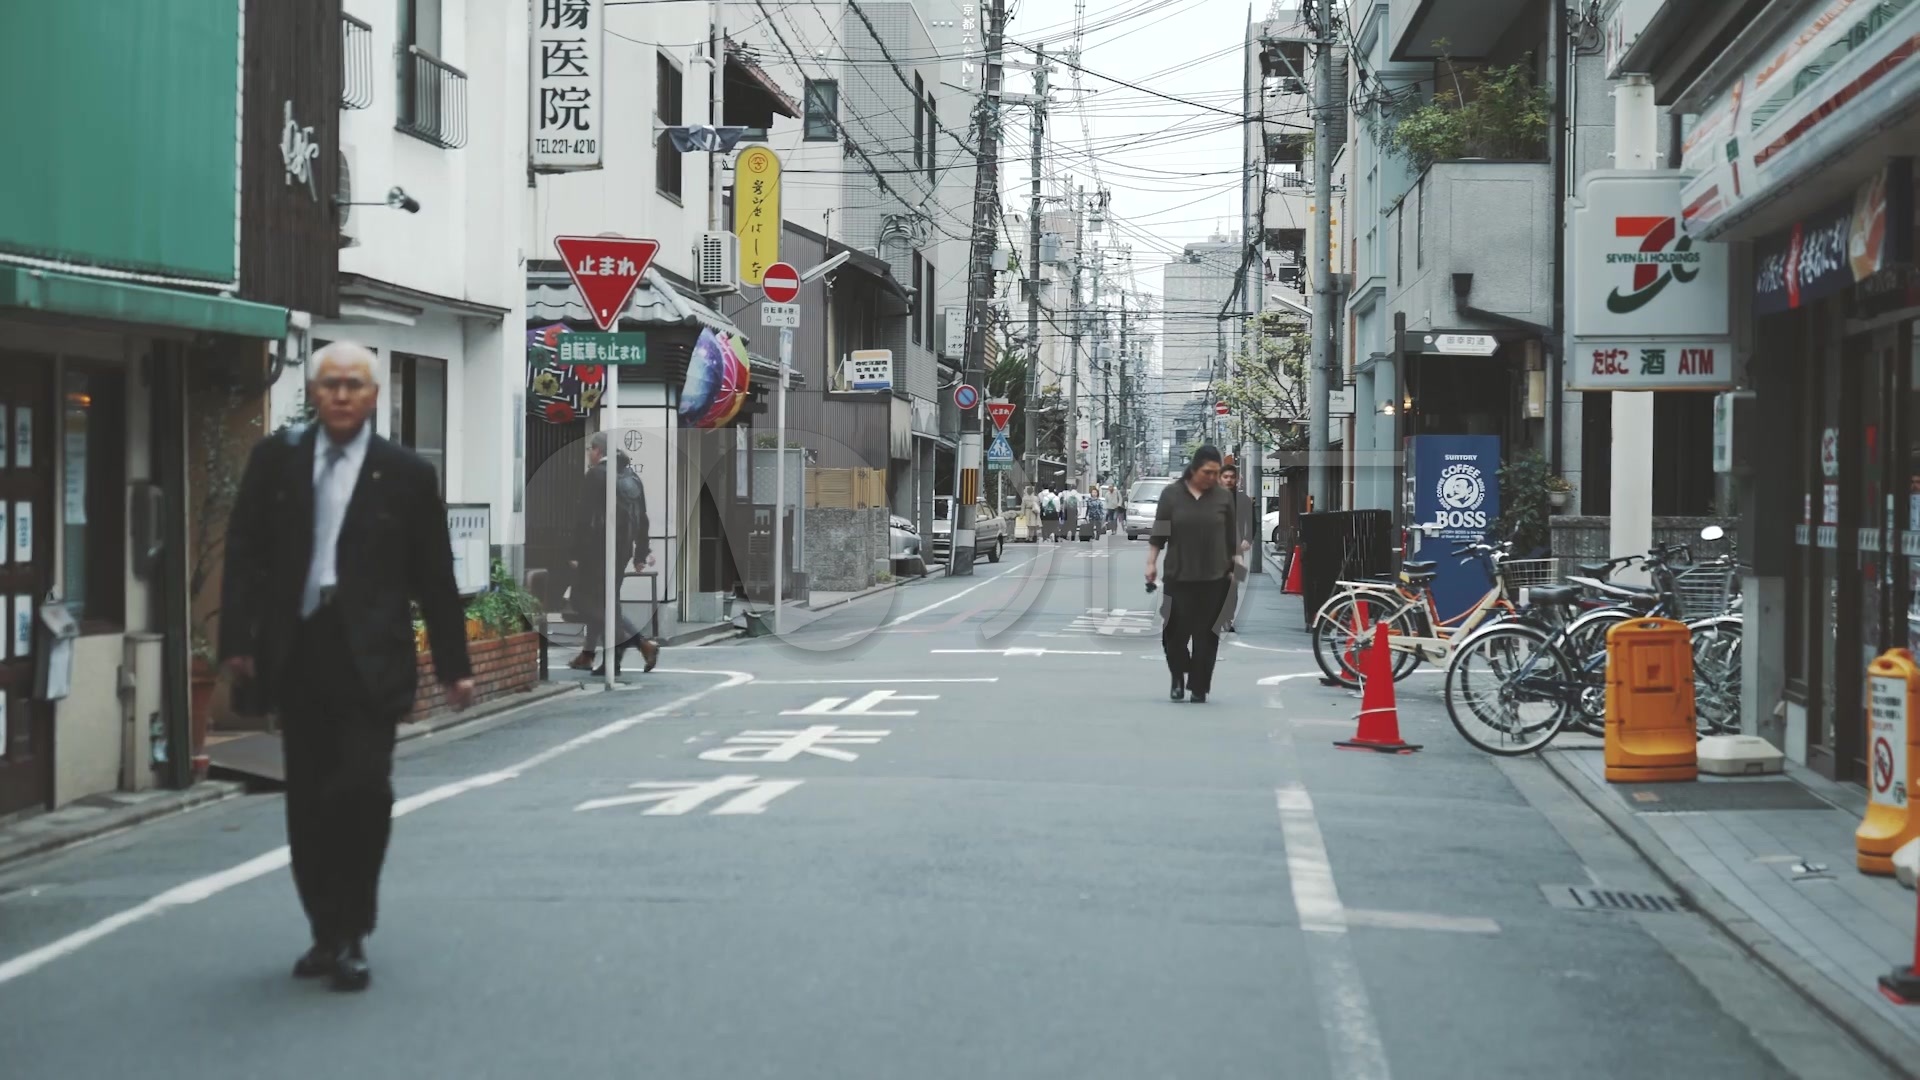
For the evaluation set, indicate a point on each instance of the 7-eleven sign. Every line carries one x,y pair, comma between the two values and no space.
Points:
606,270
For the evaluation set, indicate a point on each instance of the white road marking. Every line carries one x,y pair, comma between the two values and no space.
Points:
942,602
1018,650
862,706
869,682
1268,648
672,798
1353,1040
1420,920
1276,680
820,740
192,892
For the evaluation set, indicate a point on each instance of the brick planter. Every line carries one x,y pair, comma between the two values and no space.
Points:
501,666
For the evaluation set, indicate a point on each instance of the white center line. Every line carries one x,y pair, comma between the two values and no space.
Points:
1354,1048
867,682
192,892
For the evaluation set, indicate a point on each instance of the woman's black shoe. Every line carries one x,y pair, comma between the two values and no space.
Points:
1179,691
1199,697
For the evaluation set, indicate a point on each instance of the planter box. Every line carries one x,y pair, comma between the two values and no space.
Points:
501,666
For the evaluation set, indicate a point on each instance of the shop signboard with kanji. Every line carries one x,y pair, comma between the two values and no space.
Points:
756,215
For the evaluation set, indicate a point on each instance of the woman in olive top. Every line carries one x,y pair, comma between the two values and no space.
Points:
1196,522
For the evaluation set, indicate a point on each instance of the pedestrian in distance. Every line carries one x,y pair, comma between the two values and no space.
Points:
1195,524
1050,513
334,530
632,548
1096,509
1243,518
1070,513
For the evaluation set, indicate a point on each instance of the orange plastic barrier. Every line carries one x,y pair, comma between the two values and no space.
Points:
1893,691
1650,721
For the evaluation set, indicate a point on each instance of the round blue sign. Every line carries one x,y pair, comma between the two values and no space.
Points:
966,395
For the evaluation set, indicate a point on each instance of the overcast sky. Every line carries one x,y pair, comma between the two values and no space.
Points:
1173,168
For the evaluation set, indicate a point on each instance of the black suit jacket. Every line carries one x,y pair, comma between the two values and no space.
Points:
393,548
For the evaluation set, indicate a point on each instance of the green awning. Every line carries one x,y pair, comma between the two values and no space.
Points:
121,301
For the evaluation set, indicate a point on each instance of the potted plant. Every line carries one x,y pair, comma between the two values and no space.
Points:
1558,489
1488,112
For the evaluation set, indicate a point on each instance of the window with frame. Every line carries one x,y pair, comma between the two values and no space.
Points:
927,303
933,139
669,101
93,414
417,409
822,123
920,299
919,122
419,28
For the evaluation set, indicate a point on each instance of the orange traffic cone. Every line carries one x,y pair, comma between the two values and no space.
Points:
1292,587
1379,716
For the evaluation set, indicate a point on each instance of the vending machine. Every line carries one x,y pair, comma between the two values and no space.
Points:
1452,498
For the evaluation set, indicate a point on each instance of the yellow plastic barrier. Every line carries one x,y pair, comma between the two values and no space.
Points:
1650,723
1893,687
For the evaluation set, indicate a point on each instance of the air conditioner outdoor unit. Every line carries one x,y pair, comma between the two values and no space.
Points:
344,214
719,261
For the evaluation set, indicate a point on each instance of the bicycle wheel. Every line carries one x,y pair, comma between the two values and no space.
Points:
1716,675
1508,690
1335,636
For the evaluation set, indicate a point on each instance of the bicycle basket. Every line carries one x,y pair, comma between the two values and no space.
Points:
1528,574
1703,591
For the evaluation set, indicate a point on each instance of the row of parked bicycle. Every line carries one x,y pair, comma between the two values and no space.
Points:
1529,660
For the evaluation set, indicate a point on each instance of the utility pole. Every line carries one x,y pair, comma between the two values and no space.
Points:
1073,357
1124,473
986,204
1039,129
1319,385
1094,365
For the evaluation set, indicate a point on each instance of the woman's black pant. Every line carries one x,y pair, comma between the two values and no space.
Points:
1189,636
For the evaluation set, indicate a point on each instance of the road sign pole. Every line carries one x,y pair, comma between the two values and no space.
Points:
610,414
780,479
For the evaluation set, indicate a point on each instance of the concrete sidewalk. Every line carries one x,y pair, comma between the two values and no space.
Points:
1771,860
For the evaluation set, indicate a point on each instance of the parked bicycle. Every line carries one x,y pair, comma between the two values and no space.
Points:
1343,627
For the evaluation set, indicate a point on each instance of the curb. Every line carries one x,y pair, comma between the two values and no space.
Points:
209,792
897,583
1893,1047
433,725
203,794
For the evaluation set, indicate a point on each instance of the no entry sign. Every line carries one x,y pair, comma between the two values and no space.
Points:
606,270
781,283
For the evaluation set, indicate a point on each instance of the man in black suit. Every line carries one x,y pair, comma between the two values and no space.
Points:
334,530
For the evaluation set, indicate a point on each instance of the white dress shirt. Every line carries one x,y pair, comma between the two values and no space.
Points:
332,491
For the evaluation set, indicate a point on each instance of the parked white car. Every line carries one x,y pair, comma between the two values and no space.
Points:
1270,527
1143,502
904,546
989,530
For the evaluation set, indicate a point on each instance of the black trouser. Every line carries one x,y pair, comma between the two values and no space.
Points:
1188,637
339,757
593,609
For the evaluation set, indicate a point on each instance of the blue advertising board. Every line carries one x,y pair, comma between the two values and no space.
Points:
1454,483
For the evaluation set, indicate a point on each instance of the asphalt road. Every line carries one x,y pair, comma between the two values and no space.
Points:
997,851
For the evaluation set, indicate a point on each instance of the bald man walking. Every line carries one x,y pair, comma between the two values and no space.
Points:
334,530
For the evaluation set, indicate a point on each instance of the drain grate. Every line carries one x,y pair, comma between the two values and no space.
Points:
1588,898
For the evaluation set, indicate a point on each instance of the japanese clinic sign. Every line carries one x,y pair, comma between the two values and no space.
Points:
564,117
756,211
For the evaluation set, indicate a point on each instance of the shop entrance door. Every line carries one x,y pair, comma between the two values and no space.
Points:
26,557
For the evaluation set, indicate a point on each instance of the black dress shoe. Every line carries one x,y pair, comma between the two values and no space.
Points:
350,971
1199,697
1179,691
316,961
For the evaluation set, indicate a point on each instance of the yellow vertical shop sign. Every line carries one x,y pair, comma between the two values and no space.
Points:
756,211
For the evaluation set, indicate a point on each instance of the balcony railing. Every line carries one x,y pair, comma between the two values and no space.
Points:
433,99
356,63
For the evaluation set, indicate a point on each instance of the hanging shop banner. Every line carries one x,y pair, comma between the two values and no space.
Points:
756,211
1843,245
1649,302
560,393
565,118
1833,77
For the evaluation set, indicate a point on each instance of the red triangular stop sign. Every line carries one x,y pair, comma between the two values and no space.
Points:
606,270
1000,412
